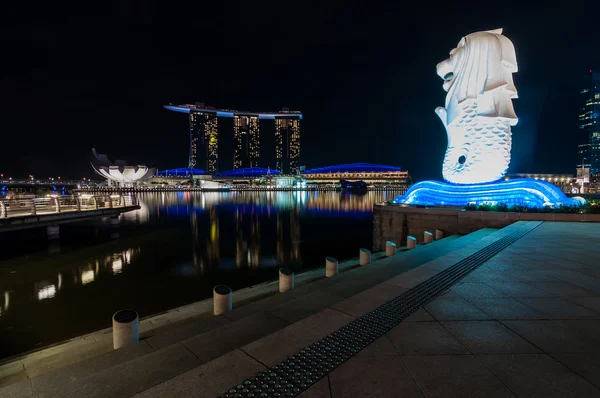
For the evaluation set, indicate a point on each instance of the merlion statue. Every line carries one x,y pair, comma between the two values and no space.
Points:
478,116
479,110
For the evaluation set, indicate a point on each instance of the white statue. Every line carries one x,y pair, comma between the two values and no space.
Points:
479,109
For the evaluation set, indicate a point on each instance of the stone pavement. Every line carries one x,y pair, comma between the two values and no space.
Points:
525,323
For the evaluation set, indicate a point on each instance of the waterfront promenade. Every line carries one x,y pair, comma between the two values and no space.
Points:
509,312
36,212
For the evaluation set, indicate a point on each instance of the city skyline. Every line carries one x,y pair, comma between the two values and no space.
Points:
369,92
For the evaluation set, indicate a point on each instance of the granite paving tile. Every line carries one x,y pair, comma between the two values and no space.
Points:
589,328
303,307
130,377
533,375
519,289
593,303
212,344
368,300
381,346
175,333
410,279
550,336
277,346
454,376
424,338
21,389
586,365
420,316
488,337
481,290
368,376
456,309
506,308
559,308
69,375
208,380
564,289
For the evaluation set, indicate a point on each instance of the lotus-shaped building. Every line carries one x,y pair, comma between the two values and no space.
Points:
119,172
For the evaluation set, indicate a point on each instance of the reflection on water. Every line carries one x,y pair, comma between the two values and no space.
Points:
171,252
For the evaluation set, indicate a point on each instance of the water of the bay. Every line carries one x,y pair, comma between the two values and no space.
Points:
171,252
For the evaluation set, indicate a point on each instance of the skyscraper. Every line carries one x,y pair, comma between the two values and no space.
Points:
287,142
589,121
204,133
246,134
204,142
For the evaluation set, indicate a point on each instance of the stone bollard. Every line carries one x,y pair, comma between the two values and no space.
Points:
331,267
286,279
222,299
126,328
390,248
365,256
439,234
53,231
427,237
411,242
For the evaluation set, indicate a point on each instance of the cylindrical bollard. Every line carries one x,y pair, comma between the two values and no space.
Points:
286,279
411,242
427,237
439,234
365,256
53,231
331,267
222,299
390,248
126,328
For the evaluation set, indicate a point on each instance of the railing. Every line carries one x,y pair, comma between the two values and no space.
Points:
63,203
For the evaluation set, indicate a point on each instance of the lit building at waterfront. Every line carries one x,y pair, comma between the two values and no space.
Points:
372,174
287,143
246,134
204,137
589,123
119,173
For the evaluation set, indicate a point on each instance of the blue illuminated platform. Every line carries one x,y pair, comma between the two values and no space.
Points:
523,191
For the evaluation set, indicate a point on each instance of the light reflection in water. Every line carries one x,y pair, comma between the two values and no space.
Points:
117,266
46,292
87,277
183,245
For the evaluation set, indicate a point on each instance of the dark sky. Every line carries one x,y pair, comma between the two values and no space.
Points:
89,74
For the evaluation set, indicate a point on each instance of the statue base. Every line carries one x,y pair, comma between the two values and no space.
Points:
522,191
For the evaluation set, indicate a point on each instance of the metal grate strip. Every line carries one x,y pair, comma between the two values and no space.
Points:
298,372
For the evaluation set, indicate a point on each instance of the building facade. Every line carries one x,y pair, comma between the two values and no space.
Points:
287,144
589,123
204,141
204,137
246,134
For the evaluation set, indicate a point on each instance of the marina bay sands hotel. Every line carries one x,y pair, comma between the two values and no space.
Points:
204,134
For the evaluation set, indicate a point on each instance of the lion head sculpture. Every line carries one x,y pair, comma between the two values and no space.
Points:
480,68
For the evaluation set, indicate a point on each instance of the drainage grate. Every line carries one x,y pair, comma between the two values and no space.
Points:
300,371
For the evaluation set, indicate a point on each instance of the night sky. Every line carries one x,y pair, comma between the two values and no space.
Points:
92,74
